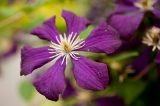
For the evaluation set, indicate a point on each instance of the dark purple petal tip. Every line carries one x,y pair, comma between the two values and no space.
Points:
74,23
126,23
47,30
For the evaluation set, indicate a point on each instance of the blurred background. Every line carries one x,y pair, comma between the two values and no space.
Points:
18,17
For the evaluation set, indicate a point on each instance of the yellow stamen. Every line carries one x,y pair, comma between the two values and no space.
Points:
145,5
152,38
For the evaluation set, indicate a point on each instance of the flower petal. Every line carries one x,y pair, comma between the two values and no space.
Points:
69,91
126,2
89,74
124,9
128,45
126,22
47,30
103,39
52,83
142,61
33,58
74,23
156,8
156,12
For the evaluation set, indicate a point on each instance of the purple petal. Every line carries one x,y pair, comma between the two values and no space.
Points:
129,45
126,2
156,10
110,101
47,30
52,83
126,22
157,59
122,9
69,91
89,74
142,61
33,58
74,23
103,39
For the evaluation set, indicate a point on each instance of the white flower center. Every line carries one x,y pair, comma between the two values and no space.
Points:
145,5
152,38
66,47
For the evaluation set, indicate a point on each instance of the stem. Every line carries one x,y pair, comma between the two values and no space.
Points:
143,72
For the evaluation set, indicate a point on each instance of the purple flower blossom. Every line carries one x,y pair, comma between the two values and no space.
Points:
89,74
142,61
152,40
129,14
69,91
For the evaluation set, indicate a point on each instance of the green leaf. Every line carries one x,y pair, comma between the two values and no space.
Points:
129,89
26,90
122,56
86,32
125,55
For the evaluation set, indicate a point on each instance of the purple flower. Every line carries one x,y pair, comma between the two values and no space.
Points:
152,40
69,91
129,14
89,74
142,61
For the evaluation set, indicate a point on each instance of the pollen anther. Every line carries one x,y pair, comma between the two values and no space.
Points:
145,5
66,46
152,38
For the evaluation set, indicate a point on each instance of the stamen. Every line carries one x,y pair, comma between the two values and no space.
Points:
55,55
70,37
73,56
78,44
79,47
64,58
58,40
65,37
154,48
145,5
152,38
51,49
66,47
75,52
73,39
52,52
54,44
